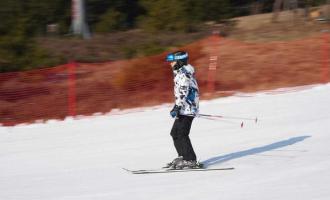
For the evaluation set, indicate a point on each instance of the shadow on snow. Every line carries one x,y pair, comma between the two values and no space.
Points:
239,154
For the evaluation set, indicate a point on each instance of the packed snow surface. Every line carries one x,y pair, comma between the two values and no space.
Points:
285,155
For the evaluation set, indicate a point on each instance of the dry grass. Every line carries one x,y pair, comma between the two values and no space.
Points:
289,26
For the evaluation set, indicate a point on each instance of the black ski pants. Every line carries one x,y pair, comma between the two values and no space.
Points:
180,134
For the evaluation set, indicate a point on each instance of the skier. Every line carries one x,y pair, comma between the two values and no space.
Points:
185,109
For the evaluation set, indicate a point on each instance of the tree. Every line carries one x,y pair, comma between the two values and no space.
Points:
107,16
21,21
165,15
182,15
287,5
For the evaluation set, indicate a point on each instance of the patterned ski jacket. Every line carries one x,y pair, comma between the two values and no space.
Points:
186,90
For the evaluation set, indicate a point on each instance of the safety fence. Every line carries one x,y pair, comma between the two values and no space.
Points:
223,66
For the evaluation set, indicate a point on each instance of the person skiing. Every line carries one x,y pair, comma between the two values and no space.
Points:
186,107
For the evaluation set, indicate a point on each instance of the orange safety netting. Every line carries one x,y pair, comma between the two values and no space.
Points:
222,65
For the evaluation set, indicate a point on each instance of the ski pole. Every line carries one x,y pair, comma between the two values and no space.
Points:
222,120
218,117
229,117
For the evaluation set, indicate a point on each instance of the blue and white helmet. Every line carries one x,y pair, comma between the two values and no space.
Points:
178,55
181,57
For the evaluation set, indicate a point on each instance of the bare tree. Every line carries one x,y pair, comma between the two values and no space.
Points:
276,9
327,12
287,5
307,4
256,7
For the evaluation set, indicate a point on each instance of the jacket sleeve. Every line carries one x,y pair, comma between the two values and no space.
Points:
182,90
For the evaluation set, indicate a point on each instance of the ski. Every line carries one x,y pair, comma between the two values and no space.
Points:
161,171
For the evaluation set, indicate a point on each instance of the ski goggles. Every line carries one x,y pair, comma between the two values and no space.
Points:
171,57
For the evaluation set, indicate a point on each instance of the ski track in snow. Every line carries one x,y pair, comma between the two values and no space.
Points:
285,155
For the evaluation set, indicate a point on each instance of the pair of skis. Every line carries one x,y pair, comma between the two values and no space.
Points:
164,170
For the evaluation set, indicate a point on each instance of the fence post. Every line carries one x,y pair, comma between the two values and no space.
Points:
72,88
213,62
325,57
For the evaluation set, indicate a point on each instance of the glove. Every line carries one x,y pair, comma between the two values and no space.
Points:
175,112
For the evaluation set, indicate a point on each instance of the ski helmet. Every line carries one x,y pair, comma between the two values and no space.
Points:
180,57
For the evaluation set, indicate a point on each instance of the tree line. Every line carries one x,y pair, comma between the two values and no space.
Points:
23,20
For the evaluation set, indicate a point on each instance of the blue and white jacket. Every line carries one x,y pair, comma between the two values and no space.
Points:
186,90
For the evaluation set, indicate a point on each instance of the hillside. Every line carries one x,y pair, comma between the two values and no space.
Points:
242,66
289,26
139,43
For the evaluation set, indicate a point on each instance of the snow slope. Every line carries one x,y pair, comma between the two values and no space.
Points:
283,156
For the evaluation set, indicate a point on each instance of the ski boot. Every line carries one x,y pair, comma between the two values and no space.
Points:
188,164
174,162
